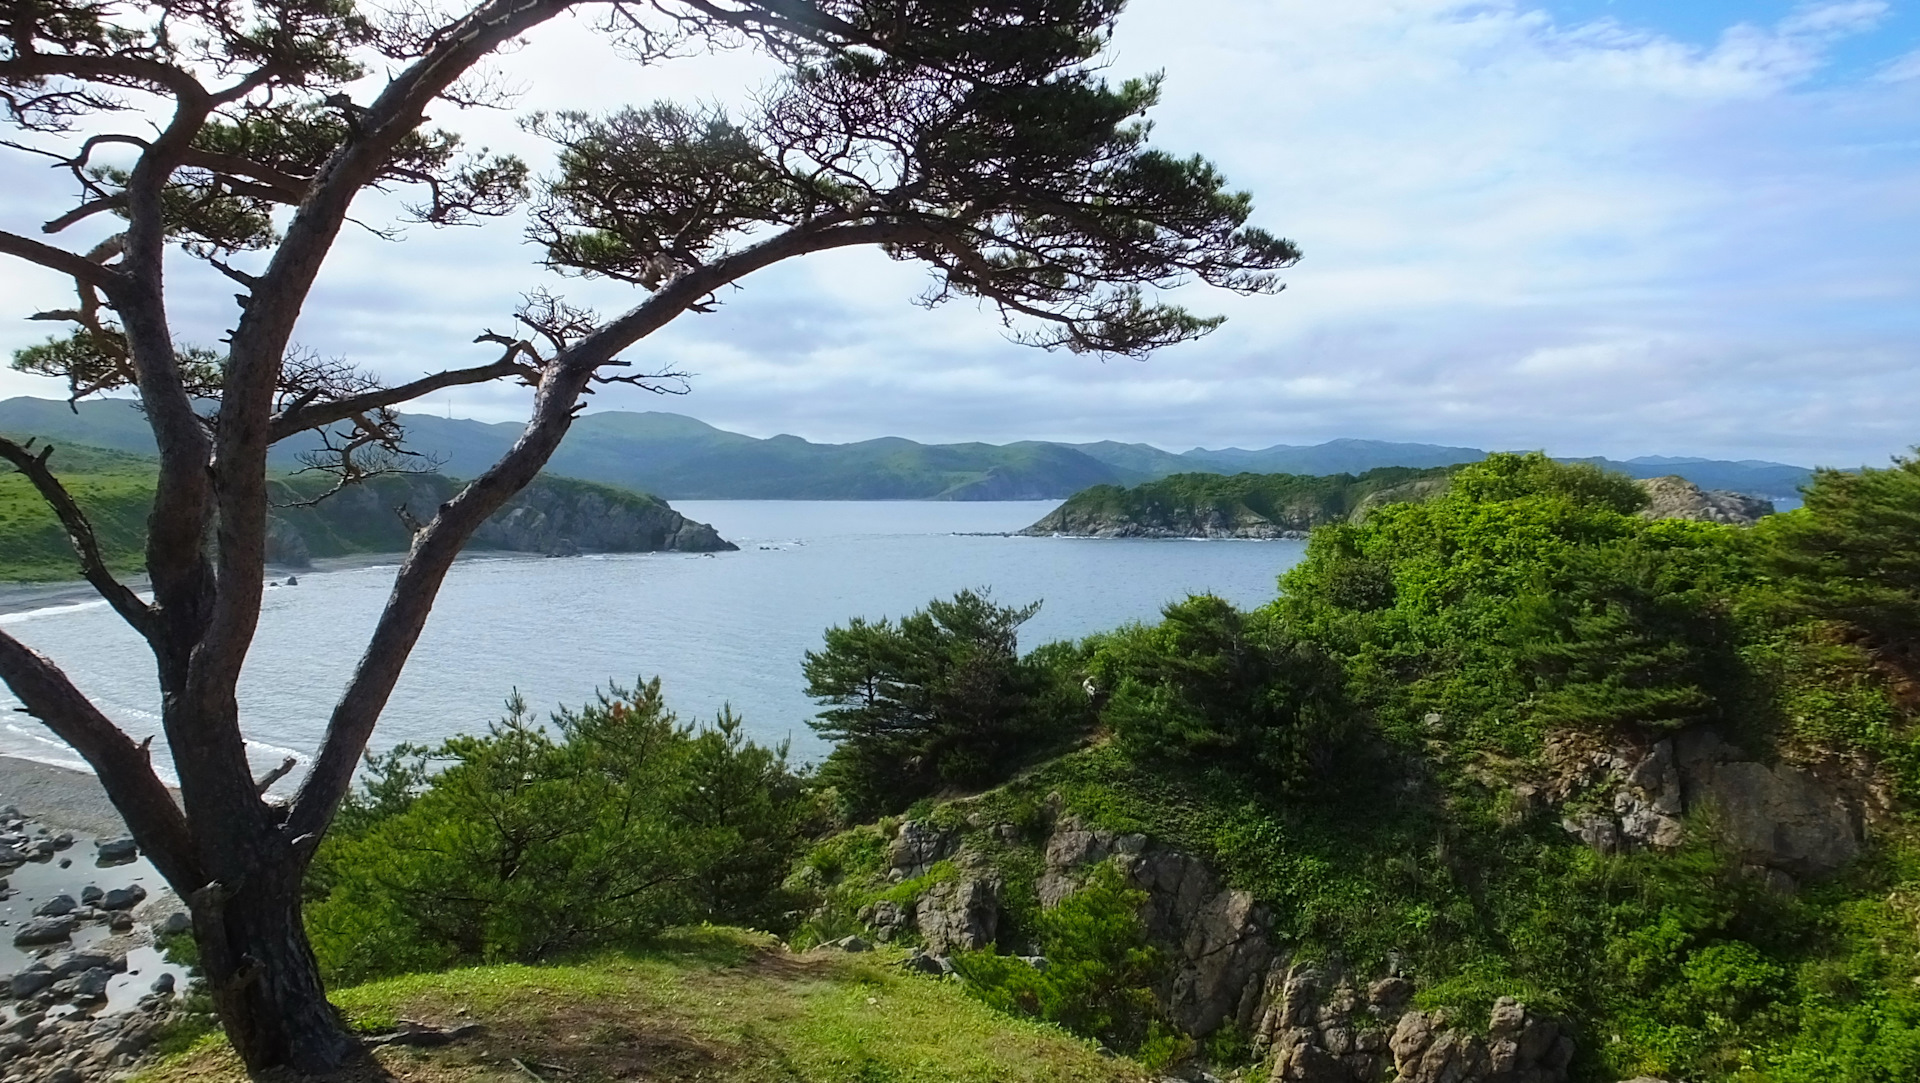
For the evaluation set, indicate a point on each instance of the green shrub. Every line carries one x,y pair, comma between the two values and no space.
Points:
1852,552
1100,972
940,699
1211,683
524,842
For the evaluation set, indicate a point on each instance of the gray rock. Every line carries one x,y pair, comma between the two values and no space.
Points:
91,895
116,851
92,985
124,898
174,924
1674,497
50,930
63,840
959,915
922,963
67,964
852,944
887,919
1779,817
163,985
32,980
58,906
1218,940
916,848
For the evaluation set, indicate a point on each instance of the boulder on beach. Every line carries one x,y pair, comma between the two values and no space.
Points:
124,898
117,851
51,930
58,906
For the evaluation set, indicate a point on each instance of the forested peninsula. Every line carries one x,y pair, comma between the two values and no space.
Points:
1265,506
555,516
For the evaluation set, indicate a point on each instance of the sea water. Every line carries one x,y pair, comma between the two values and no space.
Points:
726,628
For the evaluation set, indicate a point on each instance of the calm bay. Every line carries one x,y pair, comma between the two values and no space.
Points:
728,628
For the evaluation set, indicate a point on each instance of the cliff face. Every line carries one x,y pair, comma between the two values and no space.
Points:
1674,497
555,516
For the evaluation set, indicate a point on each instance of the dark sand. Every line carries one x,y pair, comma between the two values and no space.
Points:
59,797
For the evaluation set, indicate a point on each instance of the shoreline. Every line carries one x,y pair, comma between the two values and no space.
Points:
62,798
16,598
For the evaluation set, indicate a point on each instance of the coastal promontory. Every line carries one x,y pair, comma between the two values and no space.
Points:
1236,506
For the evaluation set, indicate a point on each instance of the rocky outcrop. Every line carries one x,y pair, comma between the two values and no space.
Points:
1322,1028
555,516
1222,968
1193,522
286,546
1783,821
959,915
1674,497
565,518
1256,506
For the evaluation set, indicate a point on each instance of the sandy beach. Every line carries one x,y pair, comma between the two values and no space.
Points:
61,798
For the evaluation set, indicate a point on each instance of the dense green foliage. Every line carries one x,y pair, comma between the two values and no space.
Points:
1290,501
1849,552
1366,755
1430,658
1100,970
1214,684
525,843
940,699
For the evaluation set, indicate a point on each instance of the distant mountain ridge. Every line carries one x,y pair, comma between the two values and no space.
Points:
681,458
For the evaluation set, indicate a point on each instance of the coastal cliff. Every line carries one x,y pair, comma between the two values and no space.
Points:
1240,506
555,516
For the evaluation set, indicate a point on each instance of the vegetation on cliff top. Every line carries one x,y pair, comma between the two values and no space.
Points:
1188,503
1471,636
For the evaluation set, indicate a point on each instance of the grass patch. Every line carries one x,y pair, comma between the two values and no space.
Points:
706,1004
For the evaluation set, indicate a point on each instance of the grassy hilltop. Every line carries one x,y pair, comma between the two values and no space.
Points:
711,1005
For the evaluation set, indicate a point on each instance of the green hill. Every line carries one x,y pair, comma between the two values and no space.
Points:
681,458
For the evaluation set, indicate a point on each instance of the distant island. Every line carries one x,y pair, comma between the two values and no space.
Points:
556,516
679,458
1267,506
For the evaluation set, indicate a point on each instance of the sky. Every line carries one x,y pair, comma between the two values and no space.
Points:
1598,227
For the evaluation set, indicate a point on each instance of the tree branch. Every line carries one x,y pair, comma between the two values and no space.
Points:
80,532
565,379
303,416
125,769
57,259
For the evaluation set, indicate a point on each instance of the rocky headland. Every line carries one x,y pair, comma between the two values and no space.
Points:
555,516
1269,506
1254,506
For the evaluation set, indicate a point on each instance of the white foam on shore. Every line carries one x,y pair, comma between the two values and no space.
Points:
51,611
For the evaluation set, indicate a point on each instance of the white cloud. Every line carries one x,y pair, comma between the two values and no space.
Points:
1519,232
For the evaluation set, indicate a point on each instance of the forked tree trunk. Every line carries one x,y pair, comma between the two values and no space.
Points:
264,978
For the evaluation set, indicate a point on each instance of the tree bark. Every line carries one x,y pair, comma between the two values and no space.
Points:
263,976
